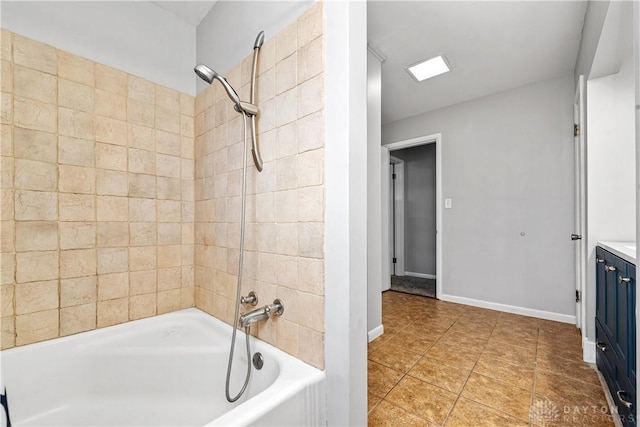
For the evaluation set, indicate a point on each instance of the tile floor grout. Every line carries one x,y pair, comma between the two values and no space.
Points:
494,320
533,390
459,395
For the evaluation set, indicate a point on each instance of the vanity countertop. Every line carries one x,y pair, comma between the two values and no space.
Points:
625,250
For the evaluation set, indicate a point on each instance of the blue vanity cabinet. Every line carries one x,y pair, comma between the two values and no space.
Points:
601,290
631,274
605,356
621,338
616,330
609,284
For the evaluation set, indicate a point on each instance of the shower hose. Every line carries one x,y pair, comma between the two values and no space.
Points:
247,329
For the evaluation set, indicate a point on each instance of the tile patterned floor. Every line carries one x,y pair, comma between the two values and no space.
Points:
444,364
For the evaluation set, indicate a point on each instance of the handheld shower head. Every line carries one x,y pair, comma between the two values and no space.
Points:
208,75
248,109
259,40
205,73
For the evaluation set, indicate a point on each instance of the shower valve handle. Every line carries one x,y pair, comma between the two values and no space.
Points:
251,299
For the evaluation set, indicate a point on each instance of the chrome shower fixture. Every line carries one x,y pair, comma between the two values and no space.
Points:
262,313
208,75
248,109
255,149
259,40
251,299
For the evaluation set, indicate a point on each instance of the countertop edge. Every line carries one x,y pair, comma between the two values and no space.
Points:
620,249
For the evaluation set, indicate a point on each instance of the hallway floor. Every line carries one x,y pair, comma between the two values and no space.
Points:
414,285
440,363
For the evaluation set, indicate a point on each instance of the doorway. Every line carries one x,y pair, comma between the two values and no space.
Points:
412,233
413,214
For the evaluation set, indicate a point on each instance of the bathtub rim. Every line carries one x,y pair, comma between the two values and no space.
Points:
293,377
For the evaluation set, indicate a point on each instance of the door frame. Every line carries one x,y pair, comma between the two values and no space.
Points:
435,138
397,237
580,220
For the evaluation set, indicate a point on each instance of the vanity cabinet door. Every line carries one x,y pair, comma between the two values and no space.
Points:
605,355
616,330
601,290
622,311
624,397
631,321
610,289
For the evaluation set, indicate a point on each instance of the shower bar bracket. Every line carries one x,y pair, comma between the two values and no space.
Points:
248,108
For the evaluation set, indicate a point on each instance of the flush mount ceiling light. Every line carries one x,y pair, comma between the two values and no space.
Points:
429,68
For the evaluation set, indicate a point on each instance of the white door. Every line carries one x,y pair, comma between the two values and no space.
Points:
579,236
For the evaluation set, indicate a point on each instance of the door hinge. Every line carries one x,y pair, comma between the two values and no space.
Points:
578,296
395,260
576,129
393,176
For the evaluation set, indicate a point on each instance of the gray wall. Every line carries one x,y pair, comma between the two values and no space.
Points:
593,23
419,208
226,35
133,36
507,163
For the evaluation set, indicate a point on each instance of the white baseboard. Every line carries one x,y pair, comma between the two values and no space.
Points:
421,275
375,333
588,351
548,315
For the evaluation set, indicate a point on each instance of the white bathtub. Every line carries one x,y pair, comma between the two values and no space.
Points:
166,370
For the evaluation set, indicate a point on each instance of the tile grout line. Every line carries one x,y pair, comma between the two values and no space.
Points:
407,373
368,360
536,369
535,377
466,381
470,371
498,380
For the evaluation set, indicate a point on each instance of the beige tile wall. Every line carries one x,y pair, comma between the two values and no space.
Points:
285,205
97,195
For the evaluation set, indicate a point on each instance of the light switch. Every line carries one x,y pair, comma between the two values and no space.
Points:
447,203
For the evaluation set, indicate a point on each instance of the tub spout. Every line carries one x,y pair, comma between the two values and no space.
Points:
262,313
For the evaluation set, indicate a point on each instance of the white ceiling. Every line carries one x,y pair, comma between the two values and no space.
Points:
191,12
491,46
